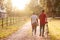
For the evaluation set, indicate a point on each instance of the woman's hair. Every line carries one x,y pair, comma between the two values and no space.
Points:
33,13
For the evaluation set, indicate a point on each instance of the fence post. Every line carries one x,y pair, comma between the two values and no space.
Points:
2,22
6,21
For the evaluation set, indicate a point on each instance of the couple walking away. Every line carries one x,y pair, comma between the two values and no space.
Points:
34,22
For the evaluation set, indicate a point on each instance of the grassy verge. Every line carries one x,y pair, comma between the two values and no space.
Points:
7,31
54,28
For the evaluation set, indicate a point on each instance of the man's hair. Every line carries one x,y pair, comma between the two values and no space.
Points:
42,10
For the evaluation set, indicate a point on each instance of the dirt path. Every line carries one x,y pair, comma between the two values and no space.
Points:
23,34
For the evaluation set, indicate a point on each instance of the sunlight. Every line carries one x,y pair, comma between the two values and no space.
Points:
20,4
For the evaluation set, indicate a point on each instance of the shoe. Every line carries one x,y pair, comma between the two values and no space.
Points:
40,35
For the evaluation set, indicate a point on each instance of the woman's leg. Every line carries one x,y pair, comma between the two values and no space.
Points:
35,29
32,28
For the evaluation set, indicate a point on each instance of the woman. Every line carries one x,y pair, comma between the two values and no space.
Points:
34,22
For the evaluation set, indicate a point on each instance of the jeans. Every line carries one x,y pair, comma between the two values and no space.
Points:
42,27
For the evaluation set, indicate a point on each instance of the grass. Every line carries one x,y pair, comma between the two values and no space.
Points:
8,30
54,29
5,32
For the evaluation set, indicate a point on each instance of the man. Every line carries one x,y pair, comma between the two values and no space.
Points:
43,21
34,22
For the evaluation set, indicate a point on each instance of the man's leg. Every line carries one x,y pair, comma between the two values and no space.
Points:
40,29
43,30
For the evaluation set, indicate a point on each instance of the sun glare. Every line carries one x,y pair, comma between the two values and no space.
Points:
20,4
